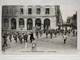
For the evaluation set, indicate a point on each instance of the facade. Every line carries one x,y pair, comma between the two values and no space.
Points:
69,20
72,21
24,18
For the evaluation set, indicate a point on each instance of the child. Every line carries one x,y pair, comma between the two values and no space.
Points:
33,46
65,38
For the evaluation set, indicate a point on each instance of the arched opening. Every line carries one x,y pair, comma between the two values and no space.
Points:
21,23
46,23
29,24
38,23
13,23
6,23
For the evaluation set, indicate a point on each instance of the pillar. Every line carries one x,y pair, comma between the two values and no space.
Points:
17,24
9,24
33,22
25,24
42,23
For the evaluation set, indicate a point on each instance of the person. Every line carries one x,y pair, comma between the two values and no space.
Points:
73,32
15,37
31,37
47,32
55,32
10,36
20,38
62,31
5,39
33,46
41,33
51,33
37,33
25,36
65,38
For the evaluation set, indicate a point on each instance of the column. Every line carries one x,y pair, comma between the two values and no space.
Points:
17,24
9,24
42,23
25,24
33,22
33,25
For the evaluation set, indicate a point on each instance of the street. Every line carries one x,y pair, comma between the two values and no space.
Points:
43,44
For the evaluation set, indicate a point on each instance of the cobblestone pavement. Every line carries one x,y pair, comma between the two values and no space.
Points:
55,44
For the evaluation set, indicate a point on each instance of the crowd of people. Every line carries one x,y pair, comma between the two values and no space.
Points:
20,36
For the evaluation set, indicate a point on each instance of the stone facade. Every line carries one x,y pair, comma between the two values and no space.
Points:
23,18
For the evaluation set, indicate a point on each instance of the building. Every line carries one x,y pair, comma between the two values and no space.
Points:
72,21
69,20
24,18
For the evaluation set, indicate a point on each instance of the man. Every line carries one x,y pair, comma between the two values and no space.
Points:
47,32
20,38
41,32
73,32
51,33
15,37
25,37
37,33
5,39
31,37
55,32
10,36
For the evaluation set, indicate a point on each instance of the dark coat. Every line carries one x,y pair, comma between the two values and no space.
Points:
25,36
31,36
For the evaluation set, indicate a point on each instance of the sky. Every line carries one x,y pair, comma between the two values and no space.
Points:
67,11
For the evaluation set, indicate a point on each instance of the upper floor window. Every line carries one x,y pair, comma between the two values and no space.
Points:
6,11
29,11
38,10
21,10
47,11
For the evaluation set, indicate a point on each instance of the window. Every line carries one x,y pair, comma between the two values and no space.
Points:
47,11
46,23
21,10
6,23
21,23
13,23
29,24
29,11
6,11
38,23
38,10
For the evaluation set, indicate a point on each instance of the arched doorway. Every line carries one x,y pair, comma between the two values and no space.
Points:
46,23
21,23
6,23
29,24
13,23
38,23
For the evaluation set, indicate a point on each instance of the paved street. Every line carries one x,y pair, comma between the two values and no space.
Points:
55,45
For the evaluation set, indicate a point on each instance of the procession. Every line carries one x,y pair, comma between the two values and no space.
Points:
30,37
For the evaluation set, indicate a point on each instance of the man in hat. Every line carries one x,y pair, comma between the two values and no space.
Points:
31,37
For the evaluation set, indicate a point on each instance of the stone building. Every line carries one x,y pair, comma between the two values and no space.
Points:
72,21
24,18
